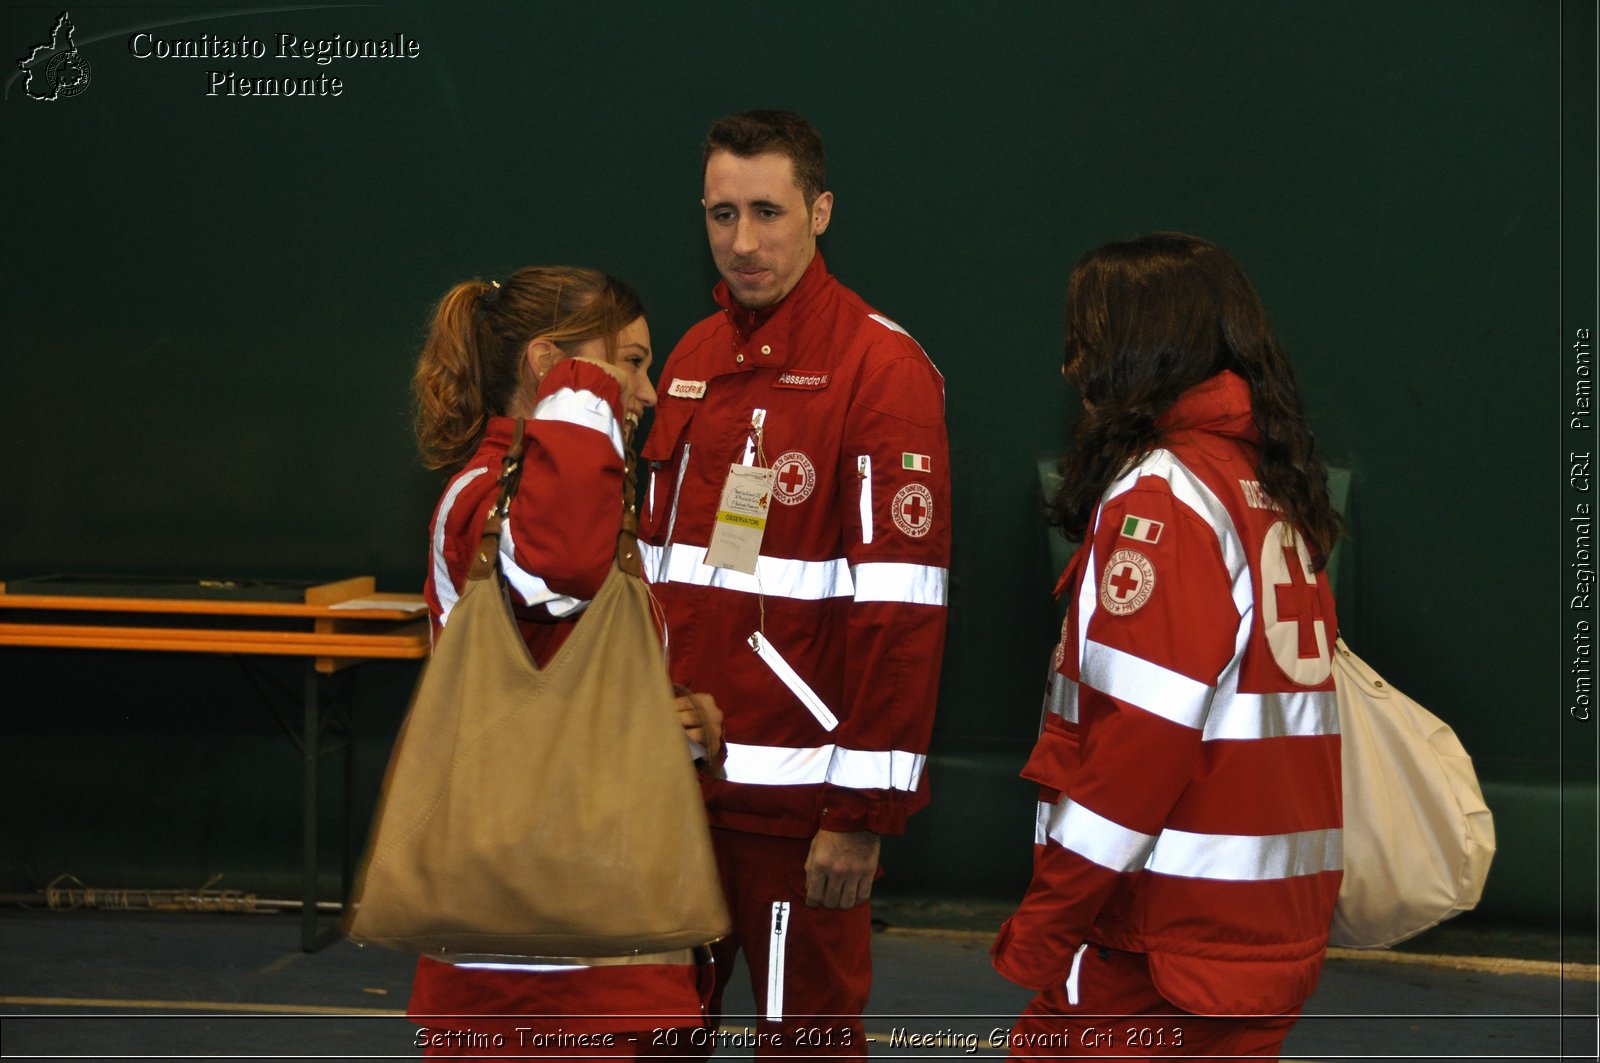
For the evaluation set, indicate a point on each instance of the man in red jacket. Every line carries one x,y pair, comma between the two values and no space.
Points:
797,532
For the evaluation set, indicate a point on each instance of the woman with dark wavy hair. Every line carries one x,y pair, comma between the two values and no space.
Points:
1187,852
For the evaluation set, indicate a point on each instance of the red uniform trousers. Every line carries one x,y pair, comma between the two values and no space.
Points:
1115,1011
810,968
465,1012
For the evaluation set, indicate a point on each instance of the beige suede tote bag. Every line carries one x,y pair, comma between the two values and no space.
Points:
532,812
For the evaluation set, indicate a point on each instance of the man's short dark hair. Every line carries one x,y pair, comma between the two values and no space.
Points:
784,132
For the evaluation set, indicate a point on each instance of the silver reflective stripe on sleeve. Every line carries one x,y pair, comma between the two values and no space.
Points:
442,587
1155,689
790,678
1096,838
864,474
1247,858
894,581
1062,698
862,769
1302,714
775,577
855,768
775,957
530,588
583,408
1188,489
776,765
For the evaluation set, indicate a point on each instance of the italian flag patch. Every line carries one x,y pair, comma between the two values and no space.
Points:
916,462
1145,531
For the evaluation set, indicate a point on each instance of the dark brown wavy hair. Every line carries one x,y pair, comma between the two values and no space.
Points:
473,363
783,132
1148,319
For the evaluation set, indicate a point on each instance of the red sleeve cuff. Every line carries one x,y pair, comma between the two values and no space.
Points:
846,811
1017,963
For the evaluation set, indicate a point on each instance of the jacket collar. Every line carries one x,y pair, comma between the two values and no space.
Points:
1218,406
765,336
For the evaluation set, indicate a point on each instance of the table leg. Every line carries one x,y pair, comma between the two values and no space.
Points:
310,749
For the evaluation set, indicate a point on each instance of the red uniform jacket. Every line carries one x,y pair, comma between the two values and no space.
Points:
1189,757
828,724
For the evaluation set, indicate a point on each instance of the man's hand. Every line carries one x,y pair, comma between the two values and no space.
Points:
701,721
840,868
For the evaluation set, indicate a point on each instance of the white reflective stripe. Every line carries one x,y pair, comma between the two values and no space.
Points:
1188,489
530,588
1072,975
650,497
897,581
1062,697
864,473
677,492
862,769
1302,714
886,323
858,769
775,950
583,408
522,966
1041,822
650,560
791,679
776,765
1247,858
1155,689
653,558
443,589
1095,838
775,577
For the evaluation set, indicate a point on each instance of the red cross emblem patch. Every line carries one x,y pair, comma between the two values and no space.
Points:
794,478
1127,583
912,510
1292,617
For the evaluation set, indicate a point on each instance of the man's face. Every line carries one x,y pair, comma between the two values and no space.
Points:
762,236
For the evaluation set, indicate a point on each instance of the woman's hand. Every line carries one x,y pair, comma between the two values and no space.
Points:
626,379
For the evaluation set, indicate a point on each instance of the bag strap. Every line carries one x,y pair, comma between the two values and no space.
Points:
487,559
628,538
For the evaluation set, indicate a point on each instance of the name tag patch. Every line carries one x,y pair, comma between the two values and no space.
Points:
802,381
687,389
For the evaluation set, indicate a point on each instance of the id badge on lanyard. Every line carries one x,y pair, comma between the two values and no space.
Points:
741,520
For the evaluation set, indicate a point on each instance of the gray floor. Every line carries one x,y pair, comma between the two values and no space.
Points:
102,985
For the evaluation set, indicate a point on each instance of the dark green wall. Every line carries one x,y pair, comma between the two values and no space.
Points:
211,305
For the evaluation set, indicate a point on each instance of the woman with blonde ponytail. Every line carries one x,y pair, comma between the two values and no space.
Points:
566,350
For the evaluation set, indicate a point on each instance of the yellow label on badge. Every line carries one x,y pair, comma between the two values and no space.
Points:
741,519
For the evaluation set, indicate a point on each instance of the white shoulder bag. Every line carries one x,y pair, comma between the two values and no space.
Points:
1418,838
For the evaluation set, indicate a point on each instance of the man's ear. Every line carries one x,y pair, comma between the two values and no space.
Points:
821,212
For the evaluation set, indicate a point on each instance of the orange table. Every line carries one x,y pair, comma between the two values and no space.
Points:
337,625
